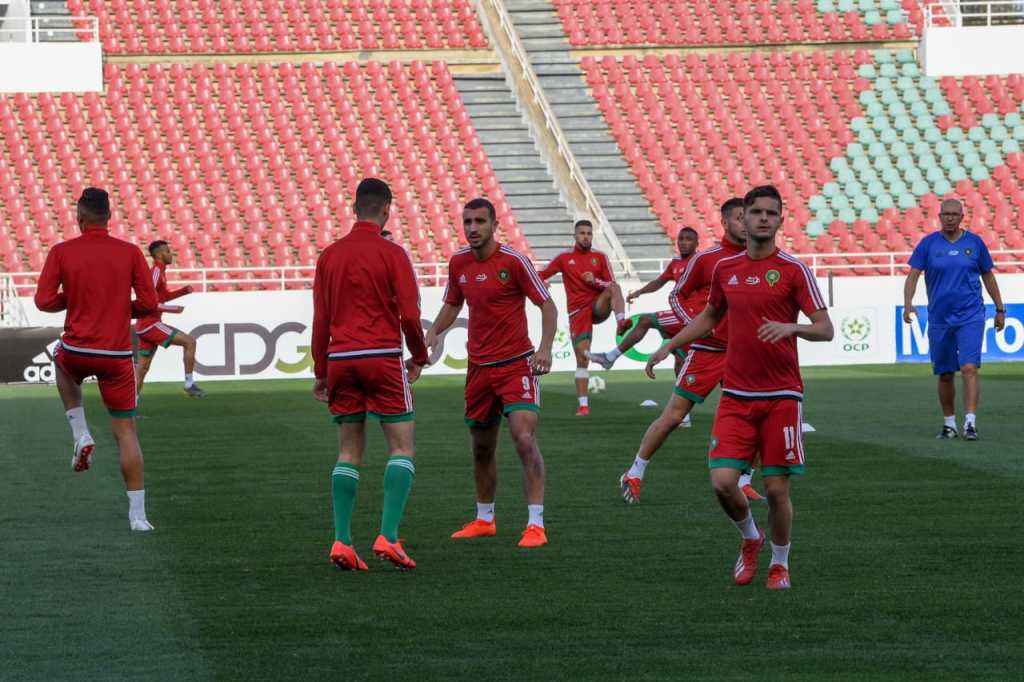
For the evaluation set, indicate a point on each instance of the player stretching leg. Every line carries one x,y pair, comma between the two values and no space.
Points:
494,281
666,322
705,360
953,260
592,294
761,292
92,277
154,334
365,299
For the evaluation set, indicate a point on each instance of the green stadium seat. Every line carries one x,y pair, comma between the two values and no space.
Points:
884,201
866,71
977,134
955,134
814,228
979,173
817,202
883,56
956,174
839,202
867,136
905,201
988,147
989,120
919,188
853,189
861,202
933,135
870,214
1010,146
847,215
889,136
942,187
993,159
904,56
831,189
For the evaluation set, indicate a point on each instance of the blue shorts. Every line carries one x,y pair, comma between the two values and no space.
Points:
953,347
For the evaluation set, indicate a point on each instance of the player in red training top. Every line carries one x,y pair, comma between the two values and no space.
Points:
365,298
761,292
92,278
592,294
494,280
666,322
704,362
153,333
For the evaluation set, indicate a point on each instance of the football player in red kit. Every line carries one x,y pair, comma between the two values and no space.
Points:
761,292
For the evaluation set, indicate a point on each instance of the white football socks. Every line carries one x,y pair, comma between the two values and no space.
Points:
638,468
188,380
780,555
76,418
536,514
969,419
583,401
613,354
950,421
485,511
136,505
745,479
747,528
619,317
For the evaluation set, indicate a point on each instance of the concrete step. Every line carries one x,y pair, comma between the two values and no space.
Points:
559,81
628,214
509,136
568,96
638,229
495,124
528,187
535,30
560,68
596,149
551,55
609,162
492,109
589,135
512,149
486,96
49,7
543,45
514,6
521,162
549,202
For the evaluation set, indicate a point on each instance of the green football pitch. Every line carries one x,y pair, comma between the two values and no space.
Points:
905,564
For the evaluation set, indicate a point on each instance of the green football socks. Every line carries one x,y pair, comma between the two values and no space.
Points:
344,482
398,475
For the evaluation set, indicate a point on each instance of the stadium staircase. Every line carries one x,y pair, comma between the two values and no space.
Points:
529,189
586,130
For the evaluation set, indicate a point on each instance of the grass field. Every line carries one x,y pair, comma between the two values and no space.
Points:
905,563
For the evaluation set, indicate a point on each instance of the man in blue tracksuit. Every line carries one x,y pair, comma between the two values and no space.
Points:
953,260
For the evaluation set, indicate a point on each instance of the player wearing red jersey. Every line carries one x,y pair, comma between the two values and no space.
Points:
666,322
153,333
494,281
92,278
761,292
365,298
704,362
592,294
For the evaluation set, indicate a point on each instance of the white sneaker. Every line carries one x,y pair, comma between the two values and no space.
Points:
602,359
82,459
685,424
140,525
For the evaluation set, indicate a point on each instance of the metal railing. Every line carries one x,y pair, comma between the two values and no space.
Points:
436,274
969,13
590,208
19,29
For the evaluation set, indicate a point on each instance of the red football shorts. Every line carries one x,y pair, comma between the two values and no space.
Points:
376,386
114,374
701,372
666,322
154,335
581,324
744,427
494,390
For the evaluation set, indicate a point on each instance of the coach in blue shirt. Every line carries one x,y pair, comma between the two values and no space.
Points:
953,260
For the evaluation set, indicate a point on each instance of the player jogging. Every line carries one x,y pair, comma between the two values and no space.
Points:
365,298
153,333
494,281
704,362
952,260
761,291
92,278
665,321
592,294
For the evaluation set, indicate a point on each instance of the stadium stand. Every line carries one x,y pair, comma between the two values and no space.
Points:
214,27
245,165
861,145
723,22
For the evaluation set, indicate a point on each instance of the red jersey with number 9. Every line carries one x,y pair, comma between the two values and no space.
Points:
777,289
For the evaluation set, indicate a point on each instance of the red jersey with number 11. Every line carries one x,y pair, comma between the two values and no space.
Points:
777,289
495,289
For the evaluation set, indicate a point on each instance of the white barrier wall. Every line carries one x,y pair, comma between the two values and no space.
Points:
266,334
972,50
51,67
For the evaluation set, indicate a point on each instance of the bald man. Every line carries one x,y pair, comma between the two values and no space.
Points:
952,261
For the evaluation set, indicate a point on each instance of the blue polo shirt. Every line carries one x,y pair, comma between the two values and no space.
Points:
952,277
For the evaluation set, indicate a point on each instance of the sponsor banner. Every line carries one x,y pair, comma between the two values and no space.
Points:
862,336
28,354
911,340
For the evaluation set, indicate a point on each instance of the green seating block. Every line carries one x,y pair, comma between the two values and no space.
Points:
942,187
870,214
817,202
905,201
956,174
979,173
1010,146
884,201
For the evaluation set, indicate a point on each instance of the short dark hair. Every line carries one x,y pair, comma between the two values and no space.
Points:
583,221
372,195
686,228
480,202
730,204
762,192
385,233
154,246
94,205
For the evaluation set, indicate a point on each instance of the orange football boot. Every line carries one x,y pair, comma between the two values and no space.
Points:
630,488
751,494
345,557
582,411
746,565
393,552
778,577
477,528
623,325
533,536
